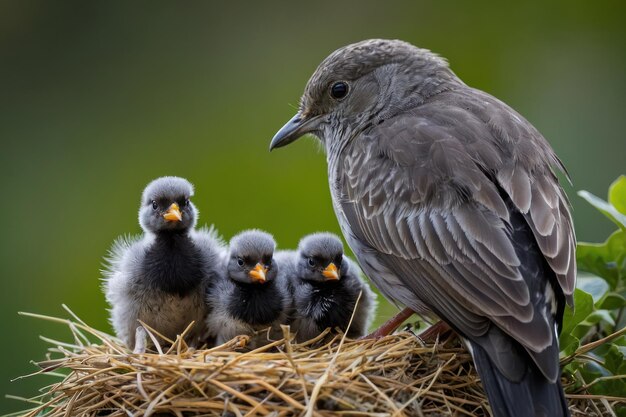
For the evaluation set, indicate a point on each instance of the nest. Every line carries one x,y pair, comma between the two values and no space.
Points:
397,375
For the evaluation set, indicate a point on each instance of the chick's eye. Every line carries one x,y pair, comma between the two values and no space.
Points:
154,205
268,264
239,261
311,262
184,202
339,90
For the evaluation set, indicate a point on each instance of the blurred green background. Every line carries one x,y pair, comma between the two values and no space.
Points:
98,98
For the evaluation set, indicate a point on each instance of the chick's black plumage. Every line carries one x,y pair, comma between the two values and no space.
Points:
159,278
174,264
257,305
250,298
450,201
326,286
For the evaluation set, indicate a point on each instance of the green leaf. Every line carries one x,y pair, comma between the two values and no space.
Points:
612,301
598,316
582,330
617,194
573,317
594,285
614,388
568,344
592,370
614,360
605,208
607,260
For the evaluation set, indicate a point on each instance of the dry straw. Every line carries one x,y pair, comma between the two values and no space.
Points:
396,375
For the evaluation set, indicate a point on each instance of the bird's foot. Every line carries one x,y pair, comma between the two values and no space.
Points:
434,332
240,342
141,340
390,325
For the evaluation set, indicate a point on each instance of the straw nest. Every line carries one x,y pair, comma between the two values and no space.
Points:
396,375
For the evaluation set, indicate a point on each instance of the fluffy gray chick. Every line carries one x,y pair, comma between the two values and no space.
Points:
160,277
326,285
249,298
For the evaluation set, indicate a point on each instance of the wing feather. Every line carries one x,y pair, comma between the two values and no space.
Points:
434,200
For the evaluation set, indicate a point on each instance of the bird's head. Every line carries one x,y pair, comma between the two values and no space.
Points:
320,258
166,206
251,258
361,85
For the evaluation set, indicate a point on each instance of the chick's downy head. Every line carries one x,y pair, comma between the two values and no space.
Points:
251,257
166,206
320,258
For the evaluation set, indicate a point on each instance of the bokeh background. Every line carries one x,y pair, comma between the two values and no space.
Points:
98,98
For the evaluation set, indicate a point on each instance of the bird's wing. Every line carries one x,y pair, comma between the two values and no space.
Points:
212,246
122,251
433,192
368,302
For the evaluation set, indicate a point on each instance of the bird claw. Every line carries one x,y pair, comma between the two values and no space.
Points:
390,325
240,341
434,332
141,340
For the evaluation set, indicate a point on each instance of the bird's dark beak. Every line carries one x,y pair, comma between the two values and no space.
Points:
173,214
331,273
298,126
257,274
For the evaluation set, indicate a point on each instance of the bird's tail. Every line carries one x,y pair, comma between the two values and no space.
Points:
533,396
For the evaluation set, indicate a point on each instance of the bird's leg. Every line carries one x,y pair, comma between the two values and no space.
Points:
141,340
390,325
434,332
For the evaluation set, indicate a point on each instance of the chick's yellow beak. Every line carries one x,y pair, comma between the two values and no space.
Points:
257,274
331,272
173,214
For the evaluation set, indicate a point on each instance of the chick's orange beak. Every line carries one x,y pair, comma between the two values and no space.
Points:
173,214
331,273
258,274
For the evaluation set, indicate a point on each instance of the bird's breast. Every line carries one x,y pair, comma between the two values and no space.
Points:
170,314
174,267
256,305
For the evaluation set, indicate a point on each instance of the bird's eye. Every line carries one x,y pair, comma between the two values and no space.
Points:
240,261
184,203
154,205
268,264
311,262
339,90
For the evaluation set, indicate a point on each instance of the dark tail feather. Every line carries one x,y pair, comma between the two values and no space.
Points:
533,396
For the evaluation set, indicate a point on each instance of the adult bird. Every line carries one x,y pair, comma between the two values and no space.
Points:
326,286
449,199
160,278
249,298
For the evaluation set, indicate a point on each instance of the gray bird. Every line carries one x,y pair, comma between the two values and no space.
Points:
250,298
160,276
449,199
326,285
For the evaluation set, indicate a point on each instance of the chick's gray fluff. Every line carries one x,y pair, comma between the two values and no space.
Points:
325,286
250,297
160,277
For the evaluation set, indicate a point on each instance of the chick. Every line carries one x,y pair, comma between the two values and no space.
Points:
250,297
160,277
326,285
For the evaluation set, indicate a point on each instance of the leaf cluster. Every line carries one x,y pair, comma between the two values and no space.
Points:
600,301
